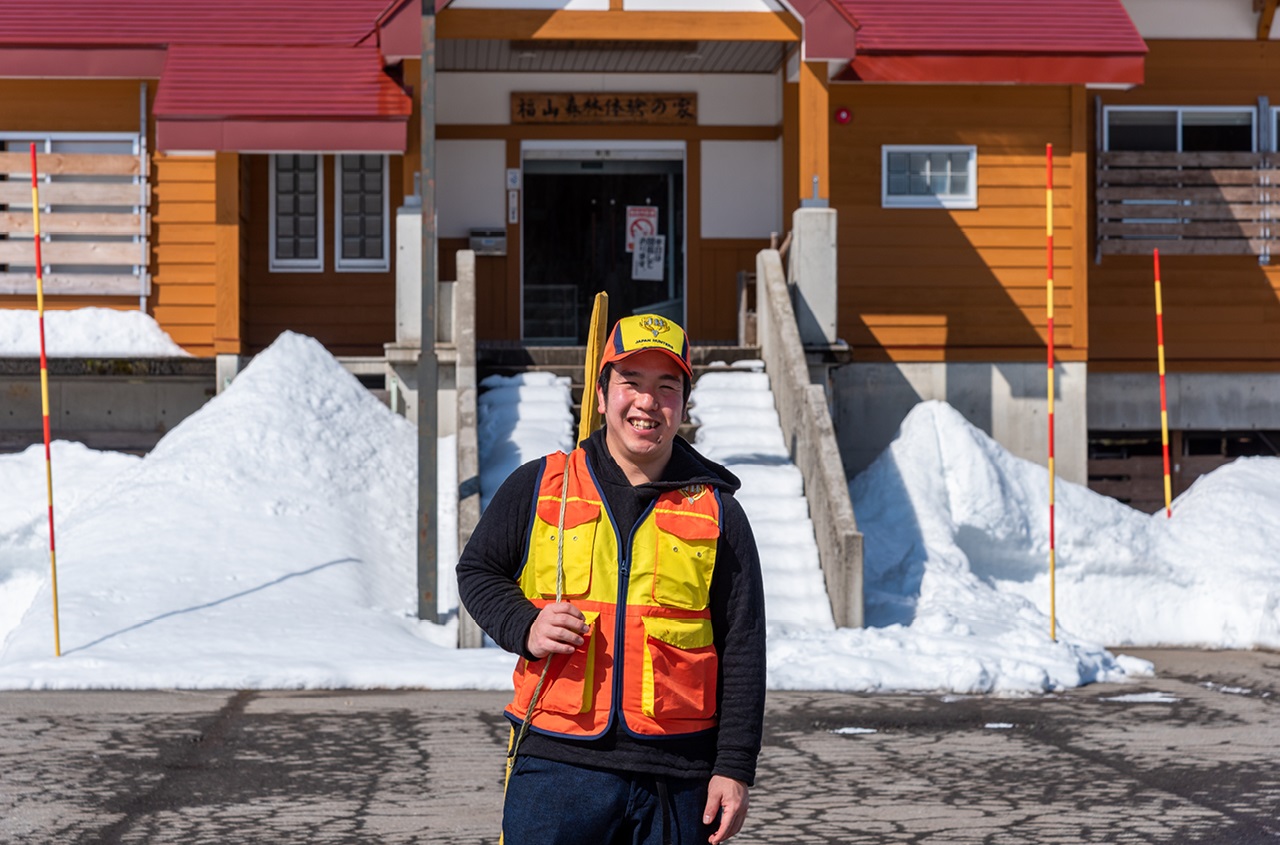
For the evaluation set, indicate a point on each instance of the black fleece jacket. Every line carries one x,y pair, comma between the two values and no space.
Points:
491,562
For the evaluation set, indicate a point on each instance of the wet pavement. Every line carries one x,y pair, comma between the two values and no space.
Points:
1192,755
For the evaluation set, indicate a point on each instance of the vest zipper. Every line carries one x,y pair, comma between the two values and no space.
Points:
624,583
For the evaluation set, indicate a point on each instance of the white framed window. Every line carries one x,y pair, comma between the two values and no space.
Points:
1180,129
362,240
297,213
932,176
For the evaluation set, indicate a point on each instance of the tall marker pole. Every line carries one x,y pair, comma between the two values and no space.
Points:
589,418
1164,402
1048,225
44,396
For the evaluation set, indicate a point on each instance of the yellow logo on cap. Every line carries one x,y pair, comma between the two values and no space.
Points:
656,325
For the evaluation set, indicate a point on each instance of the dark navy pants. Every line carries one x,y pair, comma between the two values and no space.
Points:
550,803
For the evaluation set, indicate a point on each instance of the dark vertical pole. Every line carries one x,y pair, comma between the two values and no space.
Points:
428,374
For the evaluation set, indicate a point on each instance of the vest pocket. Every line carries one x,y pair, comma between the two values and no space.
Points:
579,540
570,685
682,570
680,664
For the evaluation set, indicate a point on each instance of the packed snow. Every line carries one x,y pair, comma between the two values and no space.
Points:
268,542
738,427
85,332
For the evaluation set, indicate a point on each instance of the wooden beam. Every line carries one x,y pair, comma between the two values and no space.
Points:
227,337
814,145
17,192
96,164
614,25
1266,10
1081,215
74,284
71,252
57,223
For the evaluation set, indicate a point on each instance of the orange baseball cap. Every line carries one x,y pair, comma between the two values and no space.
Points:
643,332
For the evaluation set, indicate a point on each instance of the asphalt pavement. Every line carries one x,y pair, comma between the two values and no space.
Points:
1191,755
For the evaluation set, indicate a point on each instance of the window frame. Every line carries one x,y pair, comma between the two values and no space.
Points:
276,264
969,200
1252,111
361,265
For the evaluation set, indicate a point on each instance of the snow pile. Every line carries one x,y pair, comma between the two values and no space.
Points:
947,512
267,541
85,332
521,417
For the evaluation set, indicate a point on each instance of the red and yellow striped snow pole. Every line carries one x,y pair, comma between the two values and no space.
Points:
1048,225
1164,403
44,395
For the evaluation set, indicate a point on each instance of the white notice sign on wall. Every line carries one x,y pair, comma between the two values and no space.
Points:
648,260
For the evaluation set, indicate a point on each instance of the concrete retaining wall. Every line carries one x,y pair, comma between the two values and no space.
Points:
1197,401
810,436
1006,400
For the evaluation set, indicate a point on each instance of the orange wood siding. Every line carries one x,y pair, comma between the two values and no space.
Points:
1221,313
183,251
350,313
940,284
713,302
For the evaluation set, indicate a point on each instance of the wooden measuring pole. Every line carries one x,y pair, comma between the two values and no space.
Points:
1164,402
589,419
44,396
1048,223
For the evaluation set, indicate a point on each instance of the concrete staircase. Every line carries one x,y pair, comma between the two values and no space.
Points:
738,427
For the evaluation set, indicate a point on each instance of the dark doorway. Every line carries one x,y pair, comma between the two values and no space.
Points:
575,243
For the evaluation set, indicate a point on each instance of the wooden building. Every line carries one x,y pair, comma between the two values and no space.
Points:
236,170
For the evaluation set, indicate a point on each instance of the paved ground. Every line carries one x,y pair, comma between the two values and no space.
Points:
1197,759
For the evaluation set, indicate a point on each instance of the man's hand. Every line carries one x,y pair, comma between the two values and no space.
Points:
558,629
728,797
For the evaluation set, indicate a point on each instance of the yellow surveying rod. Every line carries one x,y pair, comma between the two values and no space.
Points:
589,419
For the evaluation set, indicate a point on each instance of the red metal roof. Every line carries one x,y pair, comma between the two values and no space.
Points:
143,22
289,81
247,75
1027,41
214,97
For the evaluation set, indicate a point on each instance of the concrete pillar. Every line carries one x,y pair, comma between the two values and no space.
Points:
226,368
812,274
402,356
409,272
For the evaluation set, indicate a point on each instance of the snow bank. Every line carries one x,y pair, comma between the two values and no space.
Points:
267,541
85,332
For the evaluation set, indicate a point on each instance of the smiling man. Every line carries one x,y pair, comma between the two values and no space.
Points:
626,577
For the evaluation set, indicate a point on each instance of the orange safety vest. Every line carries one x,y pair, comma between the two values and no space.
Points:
648,656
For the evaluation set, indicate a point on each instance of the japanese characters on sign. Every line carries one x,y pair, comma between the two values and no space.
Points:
648,261
589,108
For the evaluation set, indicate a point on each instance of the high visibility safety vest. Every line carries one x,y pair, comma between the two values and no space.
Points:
648,657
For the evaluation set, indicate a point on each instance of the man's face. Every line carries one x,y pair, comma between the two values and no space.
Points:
642,411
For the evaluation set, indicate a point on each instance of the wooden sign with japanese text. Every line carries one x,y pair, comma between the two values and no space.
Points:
595,108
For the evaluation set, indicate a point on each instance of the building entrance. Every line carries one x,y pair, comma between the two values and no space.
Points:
584,221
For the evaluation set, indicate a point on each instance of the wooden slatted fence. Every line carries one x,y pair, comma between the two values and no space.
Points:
97,232
1188,203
